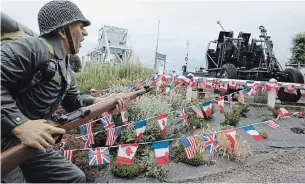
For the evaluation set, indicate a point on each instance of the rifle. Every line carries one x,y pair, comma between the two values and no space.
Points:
11,158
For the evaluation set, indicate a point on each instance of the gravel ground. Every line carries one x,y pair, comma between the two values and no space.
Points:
287,167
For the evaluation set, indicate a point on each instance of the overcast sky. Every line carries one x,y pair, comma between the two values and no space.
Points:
179,21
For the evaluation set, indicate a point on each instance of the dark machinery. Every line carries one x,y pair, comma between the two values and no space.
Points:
236,58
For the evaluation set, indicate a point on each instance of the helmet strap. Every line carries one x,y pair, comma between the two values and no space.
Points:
70,40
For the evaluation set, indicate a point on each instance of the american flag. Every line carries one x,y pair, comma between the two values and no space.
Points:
241,97
107,122
68,154
182,116
272,124
190,146
86,128
211,142
198,111
98,156
112,135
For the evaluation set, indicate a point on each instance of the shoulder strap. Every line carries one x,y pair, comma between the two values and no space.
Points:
38,75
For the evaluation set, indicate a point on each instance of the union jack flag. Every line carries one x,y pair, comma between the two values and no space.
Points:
86,131
182,116
98,156
107,122
211,142
241,97
190,146
112,135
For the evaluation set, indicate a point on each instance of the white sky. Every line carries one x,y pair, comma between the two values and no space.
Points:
180,21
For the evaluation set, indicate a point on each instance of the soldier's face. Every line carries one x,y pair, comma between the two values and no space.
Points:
78,32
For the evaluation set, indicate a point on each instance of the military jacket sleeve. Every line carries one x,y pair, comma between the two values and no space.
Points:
74,99
19,60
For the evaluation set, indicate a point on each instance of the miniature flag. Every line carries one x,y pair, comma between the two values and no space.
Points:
112,135
86,128
107,122
126,153
207,108
241,97
198,111
162,120
68,154
230,100
272,124
231,135
208,84
183,116
161,152
232,84
221,104
124,115
86,131
184,80
190,146
298,114
223,87
89,138
211,142
140,128
250,130
302,93
290,89
216,84
98,156
283,113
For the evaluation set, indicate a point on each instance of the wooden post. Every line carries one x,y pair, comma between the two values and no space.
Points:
272,94
189,93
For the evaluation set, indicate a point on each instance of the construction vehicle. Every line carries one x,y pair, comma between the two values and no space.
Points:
236,58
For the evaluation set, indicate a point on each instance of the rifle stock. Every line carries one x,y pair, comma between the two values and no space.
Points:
14,156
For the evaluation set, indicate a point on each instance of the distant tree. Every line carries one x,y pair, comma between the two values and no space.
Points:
298,49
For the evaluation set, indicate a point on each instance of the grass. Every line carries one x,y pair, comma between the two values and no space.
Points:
99,76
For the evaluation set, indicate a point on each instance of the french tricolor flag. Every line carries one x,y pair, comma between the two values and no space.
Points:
140,128
207,108
161,152
250,130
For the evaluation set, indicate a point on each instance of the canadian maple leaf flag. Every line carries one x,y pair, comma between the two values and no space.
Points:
162,120
303,93
232,84
221,104
290,89
126,153
223,87
231,135
283,113
124,115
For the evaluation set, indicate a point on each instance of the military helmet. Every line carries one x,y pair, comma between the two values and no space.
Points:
58,14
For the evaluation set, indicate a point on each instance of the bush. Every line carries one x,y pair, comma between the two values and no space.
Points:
99,76
243,109
263,133
122,170
232,118
239,153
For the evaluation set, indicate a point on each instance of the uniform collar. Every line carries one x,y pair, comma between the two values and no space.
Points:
56,44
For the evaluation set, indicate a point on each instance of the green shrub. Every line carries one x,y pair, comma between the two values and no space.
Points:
243,109
263,133
122,170
99,76
232,118
273,110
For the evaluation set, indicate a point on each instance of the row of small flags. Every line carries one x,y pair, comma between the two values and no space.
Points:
223,86
127,152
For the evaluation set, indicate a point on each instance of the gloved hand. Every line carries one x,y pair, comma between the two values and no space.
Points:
122,101
37,134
